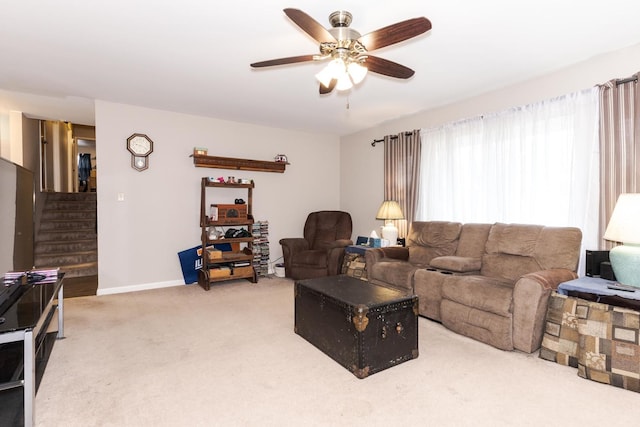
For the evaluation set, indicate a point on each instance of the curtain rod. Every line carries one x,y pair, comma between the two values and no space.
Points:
378,141
628,80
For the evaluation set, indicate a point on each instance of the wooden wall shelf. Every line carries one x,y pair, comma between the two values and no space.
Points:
202,161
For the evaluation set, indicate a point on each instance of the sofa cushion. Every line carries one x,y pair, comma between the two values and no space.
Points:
559,247
457,264
509,251
473,238
483,293
428,240
513,239
513,250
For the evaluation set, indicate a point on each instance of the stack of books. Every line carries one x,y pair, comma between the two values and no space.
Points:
260,233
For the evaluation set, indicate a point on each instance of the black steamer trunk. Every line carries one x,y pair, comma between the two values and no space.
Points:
364,327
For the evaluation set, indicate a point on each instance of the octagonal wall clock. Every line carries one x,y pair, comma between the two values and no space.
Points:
140,146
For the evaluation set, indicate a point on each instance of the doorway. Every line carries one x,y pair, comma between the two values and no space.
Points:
61,145
86,163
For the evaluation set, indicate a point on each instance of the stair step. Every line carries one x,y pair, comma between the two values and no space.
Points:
70,214
85,197
64,246
68,258
65,235
82,224
70,205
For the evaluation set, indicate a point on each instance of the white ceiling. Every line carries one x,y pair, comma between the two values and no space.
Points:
193,56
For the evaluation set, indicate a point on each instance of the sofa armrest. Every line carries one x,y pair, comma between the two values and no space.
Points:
341,243
290,246
530,301
377,254
294,244
457,264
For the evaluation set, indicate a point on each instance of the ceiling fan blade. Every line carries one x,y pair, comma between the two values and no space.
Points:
395,33
388,68
310,26
283,61
324,90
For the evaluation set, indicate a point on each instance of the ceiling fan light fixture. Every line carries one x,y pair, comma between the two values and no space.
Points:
333,71
325,76
344,82
357,72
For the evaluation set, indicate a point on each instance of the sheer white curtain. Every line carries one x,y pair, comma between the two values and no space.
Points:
536,164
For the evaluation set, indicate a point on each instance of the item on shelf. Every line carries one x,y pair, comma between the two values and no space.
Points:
219,271
233,233
199,151
214,253
281,158
231,213
214,234
213,213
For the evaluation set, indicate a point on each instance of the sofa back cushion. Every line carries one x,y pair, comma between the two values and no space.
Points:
430,239
473,238
513,250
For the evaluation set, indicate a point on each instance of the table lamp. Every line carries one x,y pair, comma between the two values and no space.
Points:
390,210
624,227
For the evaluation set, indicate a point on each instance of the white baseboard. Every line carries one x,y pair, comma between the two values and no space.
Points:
142,287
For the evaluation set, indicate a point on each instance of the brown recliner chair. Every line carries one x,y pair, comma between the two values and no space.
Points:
321,251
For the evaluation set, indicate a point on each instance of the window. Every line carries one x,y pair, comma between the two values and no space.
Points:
536,164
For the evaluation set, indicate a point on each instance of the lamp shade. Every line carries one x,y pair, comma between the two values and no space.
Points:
390,209
624,225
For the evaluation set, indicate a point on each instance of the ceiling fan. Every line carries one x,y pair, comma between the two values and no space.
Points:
348,51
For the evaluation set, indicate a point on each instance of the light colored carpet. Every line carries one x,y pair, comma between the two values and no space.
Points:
229,357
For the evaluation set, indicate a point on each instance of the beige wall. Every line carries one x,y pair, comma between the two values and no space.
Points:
361,187
138,238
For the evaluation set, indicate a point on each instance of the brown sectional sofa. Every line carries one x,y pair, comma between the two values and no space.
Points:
490,282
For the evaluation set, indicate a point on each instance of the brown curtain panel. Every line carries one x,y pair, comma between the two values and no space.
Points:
619,145
402,174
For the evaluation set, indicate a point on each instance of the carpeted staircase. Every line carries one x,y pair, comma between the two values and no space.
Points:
66,234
